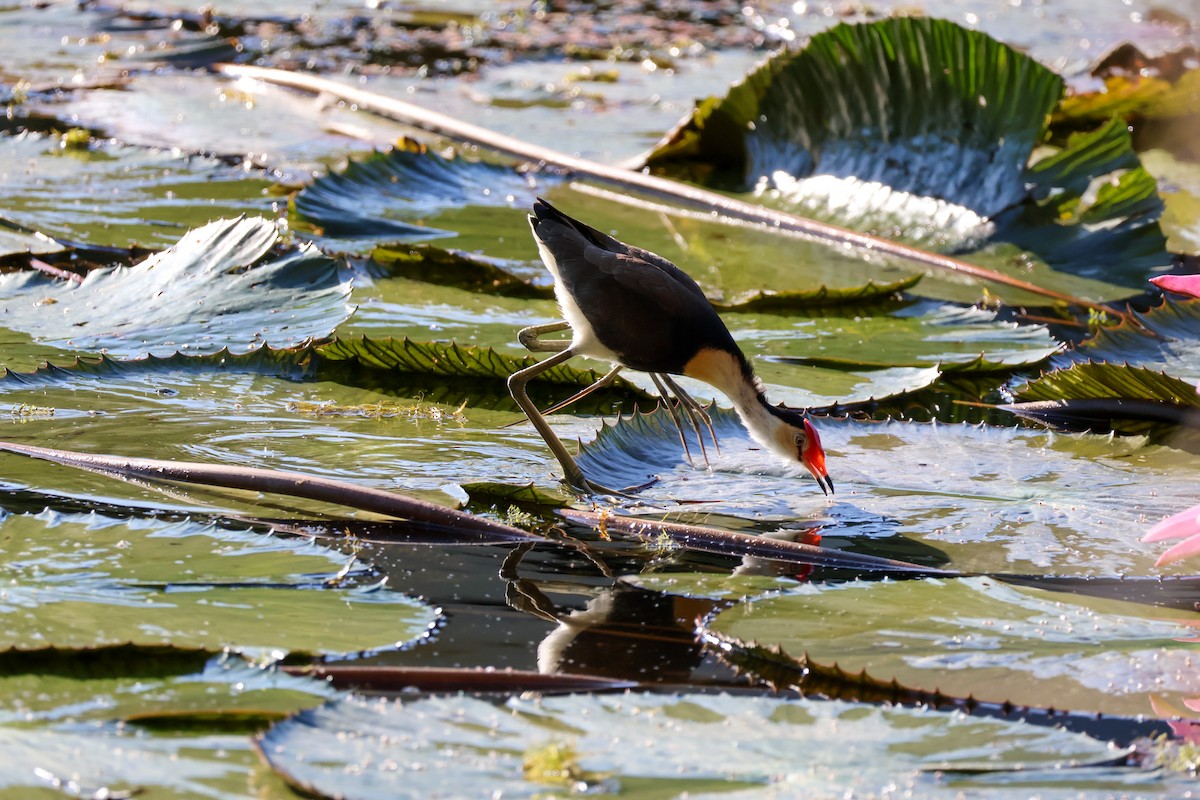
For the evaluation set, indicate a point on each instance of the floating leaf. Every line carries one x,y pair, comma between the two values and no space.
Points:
104,763
1094,210
336,360
105,661
922,130
390,195
113,194
370,749
982,638
219,286
1110,397
822,297
82,747
1166,338
987,497
952,338
1137,88
233,581
16,239
451,360
466,271
923,105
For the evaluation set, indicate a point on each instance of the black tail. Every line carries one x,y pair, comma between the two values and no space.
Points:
544,212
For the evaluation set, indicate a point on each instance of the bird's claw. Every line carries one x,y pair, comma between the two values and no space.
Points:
583,485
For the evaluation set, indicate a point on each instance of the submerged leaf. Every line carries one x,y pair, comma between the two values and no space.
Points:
378,749
219,286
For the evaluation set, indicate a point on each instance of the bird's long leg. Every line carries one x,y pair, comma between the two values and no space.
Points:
665,394
582,393
694,410
516,387
531,337
571,471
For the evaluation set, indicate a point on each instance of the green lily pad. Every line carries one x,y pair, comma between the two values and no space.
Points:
1129,400
402,407
124,688
980,637
113,194
472,272
653,745
921,130
1166,338
952,338
396,194
99,762
84,580
990,498
922,106
219,286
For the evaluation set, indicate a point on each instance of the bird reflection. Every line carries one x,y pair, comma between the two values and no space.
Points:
628,632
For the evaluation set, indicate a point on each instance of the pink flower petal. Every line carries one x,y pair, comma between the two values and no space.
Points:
1184,284
1185,523
1185,549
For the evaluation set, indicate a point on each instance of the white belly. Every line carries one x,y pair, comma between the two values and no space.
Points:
583,341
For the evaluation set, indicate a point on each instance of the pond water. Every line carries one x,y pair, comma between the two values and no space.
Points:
141,614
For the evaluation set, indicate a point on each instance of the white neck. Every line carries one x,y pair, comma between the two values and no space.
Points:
724,371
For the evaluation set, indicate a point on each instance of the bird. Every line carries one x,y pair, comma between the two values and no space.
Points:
639,311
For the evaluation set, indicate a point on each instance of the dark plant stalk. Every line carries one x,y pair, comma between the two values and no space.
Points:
626,179
730,543
267,480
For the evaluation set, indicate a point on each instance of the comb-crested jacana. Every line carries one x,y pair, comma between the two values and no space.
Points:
638,310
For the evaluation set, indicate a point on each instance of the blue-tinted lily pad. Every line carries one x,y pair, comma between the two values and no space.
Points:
221,285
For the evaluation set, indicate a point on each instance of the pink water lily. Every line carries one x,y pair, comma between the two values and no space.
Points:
1183,284
1186,526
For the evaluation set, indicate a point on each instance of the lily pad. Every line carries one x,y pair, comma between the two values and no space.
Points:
963,636
990,498
952,338
220,684
1166,338
219,286
922,130
472,272
653,745
112,194
102,762
83,580
1115,397
19,239
396,194
922,105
